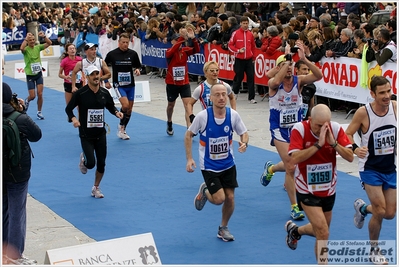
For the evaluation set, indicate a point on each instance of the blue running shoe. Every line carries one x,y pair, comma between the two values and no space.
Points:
266,175
296,214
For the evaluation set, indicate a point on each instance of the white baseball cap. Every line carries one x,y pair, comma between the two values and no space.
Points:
90,69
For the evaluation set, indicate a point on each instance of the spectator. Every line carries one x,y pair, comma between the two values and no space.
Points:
360,42
302,22
153,13
334,13
258,42
207,12
384,50
323,8
368,30
15,182
143,14
286,32
244,58
351,7
253,21
233,25
312,25
391,26
213,31
224,35
344,46
201,32
353,24
329,40
295,25
271,42
314,50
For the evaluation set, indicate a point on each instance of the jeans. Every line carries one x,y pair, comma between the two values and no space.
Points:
247,66
14,218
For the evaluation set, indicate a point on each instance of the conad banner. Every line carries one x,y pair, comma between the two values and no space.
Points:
341,76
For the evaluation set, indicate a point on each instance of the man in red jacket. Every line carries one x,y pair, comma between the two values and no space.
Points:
242,44
176,80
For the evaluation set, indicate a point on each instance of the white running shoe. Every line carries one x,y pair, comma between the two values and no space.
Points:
96,192
82,166
358,218
124,136
120,131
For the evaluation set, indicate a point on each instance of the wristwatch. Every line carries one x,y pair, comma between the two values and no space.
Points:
317,145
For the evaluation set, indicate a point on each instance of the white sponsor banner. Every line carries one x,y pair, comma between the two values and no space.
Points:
131,250
19,72
51,51
341,79
141,94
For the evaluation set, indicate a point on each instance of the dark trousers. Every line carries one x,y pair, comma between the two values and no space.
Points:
14,218
97,145
247,66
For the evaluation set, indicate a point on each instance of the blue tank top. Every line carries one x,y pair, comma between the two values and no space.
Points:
218,141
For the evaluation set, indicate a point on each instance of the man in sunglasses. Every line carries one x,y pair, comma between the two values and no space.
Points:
203,91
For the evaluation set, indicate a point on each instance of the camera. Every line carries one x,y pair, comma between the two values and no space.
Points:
288,57
372,41
294,49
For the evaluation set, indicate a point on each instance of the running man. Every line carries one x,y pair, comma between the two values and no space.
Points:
91,100
203,91
125,62
33,69
377,160
216,125
313,149
286,110
177,81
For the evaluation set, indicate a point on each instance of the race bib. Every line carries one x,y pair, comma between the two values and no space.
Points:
288,118
124,78
218,148
384,142
95,118
78,76
36,67
319,176
179,73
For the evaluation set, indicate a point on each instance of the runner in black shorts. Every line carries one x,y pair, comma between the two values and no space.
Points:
177,81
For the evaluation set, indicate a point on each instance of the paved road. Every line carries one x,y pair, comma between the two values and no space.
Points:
46,230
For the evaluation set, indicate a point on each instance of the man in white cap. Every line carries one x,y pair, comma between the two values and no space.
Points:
91,100
91,59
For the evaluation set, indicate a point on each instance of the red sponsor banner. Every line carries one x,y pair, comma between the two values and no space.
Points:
341,76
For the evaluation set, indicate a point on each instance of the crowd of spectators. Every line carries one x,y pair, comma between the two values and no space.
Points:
327,29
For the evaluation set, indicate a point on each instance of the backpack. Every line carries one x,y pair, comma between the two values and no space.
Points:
11,139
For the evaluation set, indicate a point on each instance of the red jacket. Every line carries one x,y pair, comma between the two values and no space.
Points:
177,57
240,39
270,44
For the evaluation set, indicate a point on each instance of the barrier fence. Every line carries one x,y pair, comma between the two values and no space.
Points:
341,76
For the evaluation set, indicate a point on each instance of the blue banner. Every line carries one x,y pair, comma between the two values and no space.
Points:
14,36
50,30
153,54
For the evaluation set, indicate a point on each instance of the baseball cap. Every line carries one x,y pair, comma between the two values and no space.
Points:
280,59
90,69
90,45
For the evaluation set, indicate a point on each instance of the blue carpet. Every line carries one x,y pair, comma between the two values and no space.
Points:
147,189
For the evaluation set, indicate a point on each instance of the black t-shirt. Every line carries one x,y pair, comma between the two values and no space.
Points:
91,110
123,63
